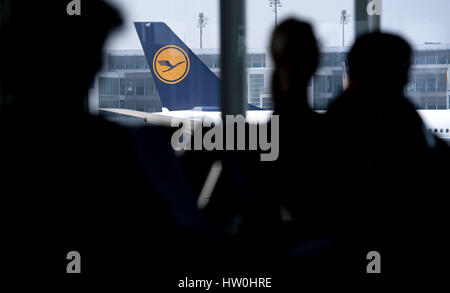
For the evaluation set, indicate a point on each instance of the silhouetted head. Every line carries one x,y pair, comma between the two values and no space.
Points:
49,59
296,56
380,60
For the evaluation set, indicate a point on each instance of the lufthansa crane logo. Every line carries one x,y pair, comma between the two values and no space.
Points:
171,64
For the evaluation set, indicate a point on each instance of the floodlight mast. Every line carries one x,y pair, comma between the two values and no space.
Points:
345,19
275,4
202,23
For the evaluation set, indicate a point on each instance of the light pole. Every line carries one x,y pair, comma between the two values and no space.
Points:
202,22
345,18
275,4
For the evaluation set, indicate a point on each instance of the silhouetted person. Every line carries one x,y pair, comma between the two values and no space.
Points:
284,213
296,55
384,158
299,175
70,181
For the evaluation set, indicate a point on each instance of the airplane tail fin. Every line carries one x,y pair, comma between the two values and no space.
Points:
183,81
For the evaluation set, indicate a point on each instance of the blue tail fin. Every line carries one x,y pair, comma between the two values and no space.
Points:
183,81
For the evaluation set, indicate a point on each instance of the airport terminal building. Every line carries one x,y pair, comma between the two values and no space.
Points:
126,81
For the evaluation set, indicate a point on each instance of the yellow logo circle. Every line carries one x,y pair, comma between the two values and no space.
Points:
171,64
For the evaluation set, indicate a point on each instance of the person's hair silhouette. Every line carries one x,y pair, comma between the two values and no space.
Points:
296,56
380,59
59,53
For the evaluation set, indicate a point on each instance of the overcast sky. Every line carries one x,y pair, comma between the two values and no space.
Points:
418,20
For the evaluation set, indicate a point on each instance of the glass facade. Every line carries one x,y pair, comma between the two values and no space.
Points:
255,88
326,85
134,91
256,60
431,57
126,62
133,87
427,89
210,60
